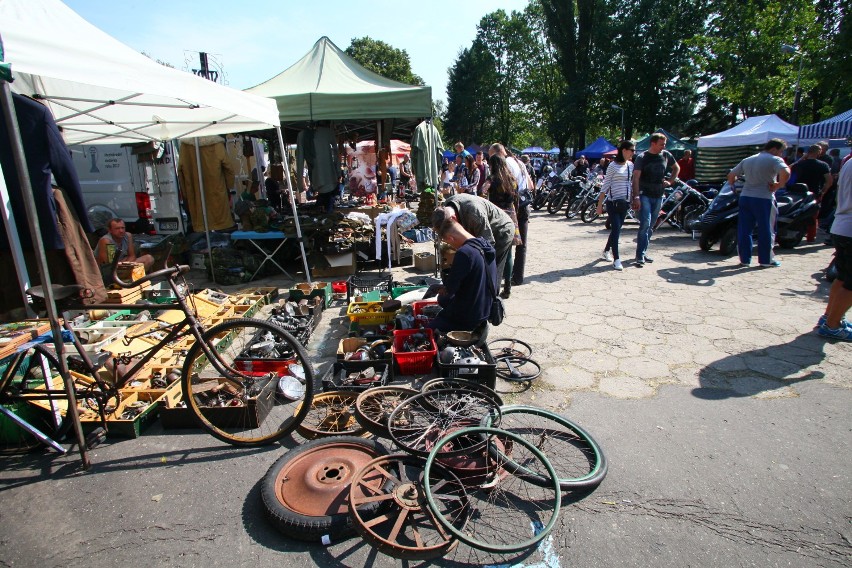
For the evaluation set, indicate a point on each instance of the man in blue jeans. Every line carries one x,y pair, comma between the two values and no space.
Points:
764,173
649,179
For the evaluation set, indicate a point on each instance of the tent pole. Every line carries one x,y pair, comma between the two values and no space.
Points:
11,237
293,202
41,260
173,153
204,208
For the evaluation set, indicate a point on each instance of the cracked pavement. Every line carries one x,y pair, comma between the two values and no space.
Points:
724,418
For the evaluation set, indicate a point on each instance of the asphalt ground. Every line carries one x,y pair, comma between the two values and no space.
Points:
724,417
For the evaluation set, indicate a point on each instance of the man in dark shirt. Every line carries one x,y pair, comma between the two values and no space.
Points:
468,289
649,179
816,174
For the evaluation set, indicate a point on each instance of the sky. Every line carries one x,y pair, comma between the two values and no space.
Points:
256,40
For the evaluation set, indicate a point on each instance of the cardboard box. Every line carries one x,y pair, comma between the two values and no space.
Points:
424,262
339,265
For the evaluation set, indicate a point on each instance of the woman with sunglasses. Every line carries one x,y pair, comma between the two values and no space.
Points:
615,192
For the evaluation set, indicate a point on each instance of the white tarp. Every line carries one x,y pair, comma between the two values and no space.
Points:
100,90
757,130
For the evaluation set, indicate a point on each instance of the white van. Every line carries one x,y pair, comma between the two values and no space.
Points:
136,183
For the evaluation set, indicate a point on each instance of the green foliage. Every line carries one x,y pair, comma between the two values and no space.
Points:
381,58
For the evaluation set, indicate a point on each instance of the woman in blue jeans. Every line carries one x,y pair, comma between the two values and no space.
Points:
616,190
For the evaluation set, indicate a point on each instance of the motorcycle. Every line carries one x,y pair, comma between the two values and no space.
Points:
589,189
682,208
797,208
718,224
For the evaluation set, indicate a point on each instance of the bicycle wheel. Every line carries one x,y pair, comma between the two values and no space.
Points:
417,423
576,457
238,397
442,383
504,508
406,528
331,414
506,347
374,406
517,369
28,370
590,212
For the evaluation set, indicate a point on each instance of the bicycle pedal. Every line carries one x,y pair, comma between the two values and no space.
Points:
95,437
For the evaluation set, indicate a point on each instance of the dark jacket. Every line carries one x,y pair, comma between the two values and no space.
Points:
467,302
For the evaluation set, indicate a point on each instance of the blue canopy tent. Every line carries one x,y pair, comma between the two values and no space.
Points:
554,151
839,126
534,150
597,149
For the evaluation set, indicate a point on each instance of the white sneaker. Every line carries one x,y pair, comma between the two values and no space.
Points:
607,255
617,264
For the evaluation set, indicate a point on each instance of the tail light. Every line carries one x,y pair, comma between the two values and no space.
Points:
143,208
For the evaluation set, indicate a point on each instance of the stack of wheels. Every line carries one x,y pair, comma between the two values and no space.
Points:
513,360
469,469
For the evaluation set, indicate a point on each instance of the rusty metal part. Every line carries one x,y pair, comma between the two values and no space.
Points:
331,414
406,527
374,406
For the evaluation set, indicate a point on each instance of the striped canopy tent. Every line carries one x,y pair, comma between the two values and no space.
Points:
839,126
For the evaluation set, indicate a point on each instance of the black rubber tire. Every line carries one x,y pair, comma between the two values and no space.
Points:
792,242
26,367
517,369
691,216
283,414
728,242
590,212
573,209
312,528
706,242
582,466
556,203
499,350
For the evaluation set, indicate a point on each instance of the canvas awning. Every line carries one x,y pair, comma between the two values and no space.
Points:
839,126
757,130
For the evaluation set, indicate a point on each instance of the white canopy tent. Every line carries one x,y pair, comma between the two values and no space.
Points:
753,131
100,90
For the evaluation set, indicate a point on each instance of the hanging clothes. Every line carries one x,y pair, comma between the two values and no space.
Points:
426,154
317,148
218,180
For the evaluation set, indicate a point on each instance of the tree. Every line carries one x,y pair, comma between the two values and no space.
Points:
470,96
381,58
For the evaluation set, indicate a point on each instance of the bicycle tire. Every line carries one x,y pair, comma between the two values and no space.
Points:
456,383
517,369
265,414
331,414
590,212
505,505
374,406
577,458
24,369
304,491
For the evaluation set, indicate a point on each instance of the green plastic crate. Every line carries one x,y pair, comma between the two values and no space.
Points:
398,291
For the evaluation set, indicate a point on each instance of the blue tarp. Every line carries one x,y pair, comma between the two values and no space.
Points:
596,149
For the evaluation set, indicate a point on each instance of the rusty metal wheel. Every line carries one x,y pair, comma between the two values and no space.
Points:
374,406
331,414
305,491
406,527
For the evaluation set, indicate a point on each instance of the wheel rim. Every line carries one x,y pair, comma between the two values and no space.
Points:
331,414
407,527
263,414
506,347
517,369
441,383
576,457
506,506
316,483
418,423
374,406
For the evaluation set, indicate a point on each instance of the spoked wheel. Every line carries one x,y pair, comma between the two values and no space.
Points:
441,383
590,212
331,414
33,369
238,397
576,457
304,492
555,203
509,512
374,406
418,423
406,528
574,208
507,347
518,369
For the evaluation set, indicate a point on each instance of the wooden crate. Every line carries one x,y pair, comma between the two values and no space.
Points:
174,415
15,334
120,428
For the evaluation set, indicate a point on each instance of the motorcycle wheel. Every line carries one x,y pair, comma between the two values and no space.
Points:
706,242
539,202
728,242
690,218
590,212
555,205
793,241
573,209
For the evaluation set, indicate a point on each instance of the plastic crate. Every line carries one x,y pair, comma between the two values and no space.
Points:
485,374
336,378
417,307
372,313
413,362
361,284
320,289
398,291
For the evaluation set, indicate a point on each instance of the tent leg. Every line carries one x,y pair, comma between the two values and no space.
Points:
293,203
41,259
204,209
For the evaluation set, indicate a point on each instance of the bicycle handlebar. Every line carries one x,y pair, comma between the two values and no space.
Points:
167,272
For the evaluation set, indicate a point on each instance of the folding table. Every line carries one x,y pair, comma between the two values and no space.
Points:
252,236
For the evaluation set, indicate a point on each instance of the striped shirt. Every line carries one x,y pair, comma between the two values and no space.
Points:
617,184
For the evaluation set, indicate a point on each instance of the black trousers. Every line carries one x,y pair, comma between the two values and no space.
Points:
521,250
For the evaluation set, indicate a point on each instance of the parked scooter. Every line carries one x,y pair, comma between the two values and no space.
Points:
719,223
797,208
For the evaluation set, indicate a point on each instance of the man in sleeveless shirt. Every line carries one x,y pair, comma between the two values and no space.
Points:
118,239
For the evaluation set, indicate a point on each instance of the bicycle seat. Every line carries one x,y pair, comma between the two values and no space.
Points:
59,292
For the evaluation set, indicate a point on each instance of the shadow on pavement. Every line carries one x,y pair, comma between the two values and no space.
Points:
701,276
760,370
